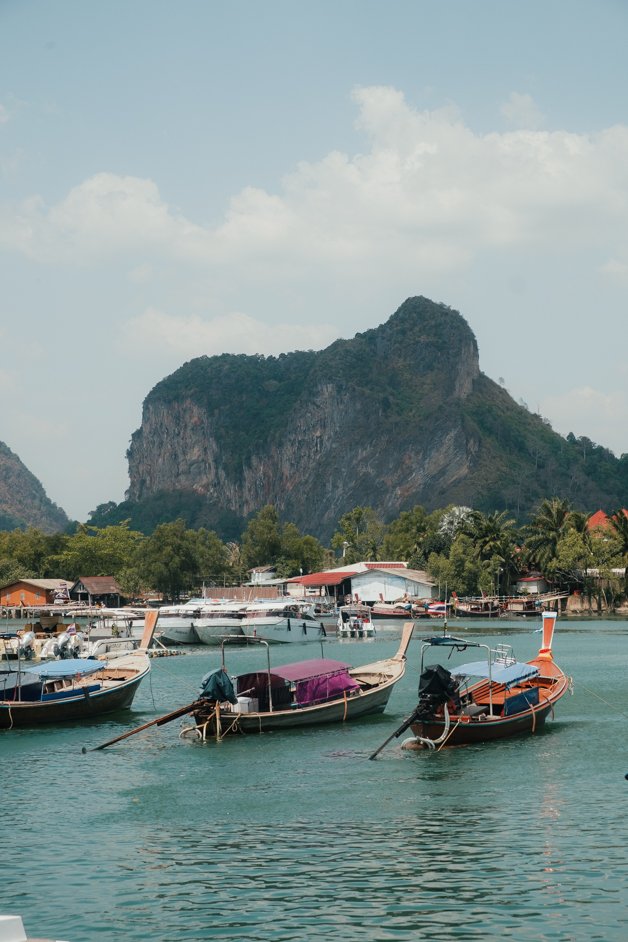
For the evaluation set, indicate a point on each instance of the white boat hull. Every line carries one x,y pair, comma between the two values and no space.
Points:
177,631
212,631
283,630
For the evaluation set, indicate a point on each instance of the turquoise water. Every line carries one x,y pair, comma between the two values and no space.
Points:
297,836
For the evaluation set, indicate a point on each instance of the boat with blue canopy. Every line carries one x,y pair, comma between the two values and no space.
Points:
486,699
69,690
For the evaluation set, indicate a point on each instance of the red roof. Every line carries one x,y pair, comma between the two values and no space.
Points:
601,520
323,578
598,519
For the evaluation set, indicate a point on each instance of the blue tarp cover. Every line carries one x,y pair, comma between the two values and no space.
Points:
499,673
68,667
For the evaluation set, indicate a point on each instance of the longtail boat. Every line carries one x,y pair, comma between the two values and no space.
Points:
319,690
483,700
71,689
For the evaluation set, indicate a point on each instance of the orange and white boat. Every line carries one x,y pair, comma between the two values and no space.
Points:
487,699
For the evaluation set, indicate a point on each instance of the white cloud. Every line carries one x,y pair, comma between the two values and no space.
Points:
521,111
428,194
615,266
106,215
4,114
186,337
603,417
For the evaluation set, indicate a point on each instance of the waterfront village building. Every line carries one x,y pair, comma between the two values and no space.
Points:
365,581
25,593
40,593
533,583
262,575
97,590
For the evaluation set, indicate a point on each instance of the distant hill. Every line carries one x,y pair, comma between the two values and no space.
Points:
397,416
23,501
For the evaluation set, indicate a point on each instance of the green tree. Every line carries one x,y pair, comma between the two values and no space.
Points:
460,571
95,552
212,557
544,531
261,541
360,535
31,552
299,553
619,524
168,560
405,537
494,540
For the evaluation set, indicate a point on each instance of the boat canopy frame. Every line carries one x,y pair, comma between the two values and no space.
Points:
498,668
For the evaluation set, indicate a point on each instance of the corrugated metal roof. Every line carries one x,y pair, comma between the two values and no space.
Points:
100,585
412,575
334,577
391,565
40,583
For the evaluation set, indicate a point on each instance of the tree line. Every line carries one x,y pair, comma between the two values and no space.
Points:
462,549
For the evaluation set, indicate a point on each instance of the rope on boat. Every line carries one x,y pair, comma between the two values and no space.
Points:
597,696
433,743
450,734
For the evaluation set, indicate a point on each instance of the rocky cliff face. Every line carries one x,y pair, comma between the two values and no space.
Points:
343,439
23,501
398,416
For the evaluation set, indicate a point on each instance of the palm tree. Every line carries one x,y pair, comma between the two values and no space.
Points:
619,523
543,533
494,541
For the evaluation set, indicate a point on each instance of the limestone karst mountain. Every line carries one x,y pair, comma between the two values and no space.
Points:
23,500
396,416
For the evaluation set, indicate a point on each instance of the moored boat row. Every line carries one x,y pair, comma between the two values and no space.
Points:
472,702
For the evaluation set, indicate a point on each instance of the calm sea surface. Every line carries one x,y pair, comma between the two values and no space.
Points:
297,836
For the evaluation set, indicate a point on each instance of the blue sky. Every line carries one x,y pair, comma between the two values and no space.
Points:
189,178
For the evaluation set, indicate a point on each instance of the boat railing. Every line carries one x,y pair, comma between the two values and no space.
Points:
503,654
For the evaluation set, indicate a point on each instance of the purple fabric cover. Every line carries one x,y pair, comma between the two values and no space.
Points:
315,680
325,687
303,670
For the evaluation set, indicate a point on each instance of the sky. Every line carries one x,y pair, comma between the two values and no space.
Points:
196,177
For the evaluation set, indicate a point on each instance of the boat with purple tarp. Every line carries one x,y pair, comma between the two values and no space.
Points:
319,690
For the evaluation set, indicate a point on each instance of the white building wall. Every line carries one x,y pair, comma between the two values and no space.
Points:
370,585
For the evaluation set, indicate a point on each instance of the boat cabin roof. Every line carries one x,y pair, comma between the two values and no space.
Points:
306,670
506,674
67,668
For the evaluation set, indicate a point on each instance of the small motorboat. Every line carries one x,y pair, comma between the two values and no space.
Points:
355,621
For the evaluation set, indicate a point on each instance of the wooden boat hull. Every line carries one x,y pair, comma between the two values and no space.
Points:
485,731
376,681
83,705
464,730
337,712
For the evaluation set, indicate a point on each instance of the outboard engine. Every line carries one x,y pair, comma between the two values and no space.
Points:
436,688
26,645
68,644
